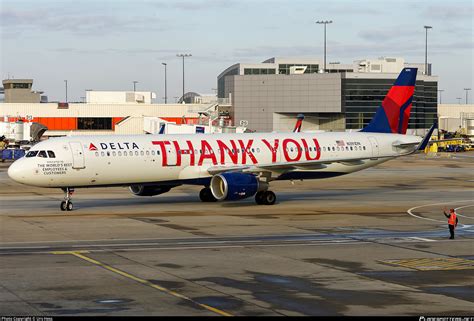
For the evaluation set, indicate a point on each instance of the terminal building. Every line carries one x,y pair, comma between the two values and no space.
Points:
268,96
106,112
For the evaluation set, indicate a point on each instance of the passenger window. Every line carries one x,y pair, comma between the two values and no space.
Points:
142,153
153,152
148,153
32,153
351,148
119,153
51,154
96,154
114,154
136,153
333,148
124,153
102,154
258,150
42,153
108,153
157,152
364,147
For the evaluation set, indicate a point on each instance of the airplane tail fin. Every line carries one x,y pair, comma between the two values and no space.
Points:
298,124
393,115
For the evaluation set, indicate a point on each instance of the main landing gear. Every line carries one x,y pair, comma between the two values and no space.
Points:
265,198
67,205
206,195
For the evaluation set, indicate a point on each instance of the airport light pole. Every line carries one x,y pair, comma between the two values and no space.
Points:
166,95
135,85
426,48
325,22
65,82
467,90
440,92
183,56
459,100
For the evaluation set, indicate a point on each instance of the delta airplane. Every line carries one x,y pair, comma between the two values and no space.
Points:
229,166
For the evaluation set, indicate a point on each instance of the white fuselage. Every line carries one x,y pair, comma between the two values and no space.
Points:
85,161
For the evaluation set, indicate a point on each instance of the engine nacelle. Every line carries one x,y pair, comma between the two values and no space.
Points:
235,186
149,190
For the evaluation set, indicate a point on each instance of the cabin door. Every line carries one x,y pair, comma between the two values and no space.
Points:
78,160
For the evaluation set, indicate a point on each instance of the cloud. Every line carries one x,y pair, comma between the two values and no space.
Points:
76,23
350,51
195,5
451,12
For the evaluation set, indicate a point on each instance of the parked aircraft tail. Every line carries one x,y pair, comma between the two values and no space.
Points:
393,115
299,122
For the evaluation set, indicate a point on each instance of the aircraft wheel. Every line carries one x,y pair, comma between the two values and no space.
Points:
69,206
269,198
259,198
206,195
63,206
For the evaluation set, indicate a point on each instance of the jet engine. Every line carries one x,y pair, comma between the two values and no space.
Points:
149,190
235,186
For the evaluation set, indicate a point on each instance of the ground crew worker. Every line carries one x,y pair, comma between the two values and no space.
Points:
3,145
452,221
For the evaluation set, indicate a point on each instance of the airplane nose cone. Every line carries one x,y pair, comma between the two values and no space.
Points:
15,172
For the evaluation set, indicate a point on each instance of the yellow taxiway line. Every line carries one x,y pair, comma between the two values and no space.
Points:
80,254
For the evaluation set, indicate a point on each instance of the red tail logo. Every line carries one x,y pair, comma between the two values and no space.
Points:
92,147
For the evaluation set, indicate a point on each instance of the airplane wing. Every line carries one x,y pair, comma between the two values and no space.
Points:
318,164
289,166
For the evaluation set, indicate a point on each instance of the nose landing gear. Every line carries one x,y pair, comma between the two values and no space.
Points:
67,205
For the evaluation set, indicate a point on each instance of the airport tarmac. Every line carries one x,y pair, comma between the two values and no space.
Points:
369,243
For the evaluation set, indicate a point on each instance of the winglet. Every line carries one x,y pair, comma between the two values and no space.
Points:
427,137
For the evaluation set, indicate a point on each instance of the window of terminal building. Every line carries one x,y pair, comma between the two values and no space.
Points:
258,71
89,123
362,97
284,69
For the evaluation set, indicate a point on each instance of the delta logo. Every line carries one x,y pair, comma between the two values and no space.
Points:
114,146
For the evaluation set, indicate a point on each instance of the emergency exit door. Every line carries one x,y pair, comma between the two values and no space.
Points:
78,160
375,146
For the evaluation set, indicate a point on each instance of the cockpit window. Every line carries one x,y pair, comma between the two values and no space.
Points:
51,154
32,153
42,153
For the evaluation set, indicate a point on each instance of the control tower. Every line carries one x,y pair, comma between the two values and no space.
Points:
19,91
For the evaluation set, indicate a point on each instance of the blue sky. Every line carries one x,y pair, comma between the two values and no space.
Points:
105,45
